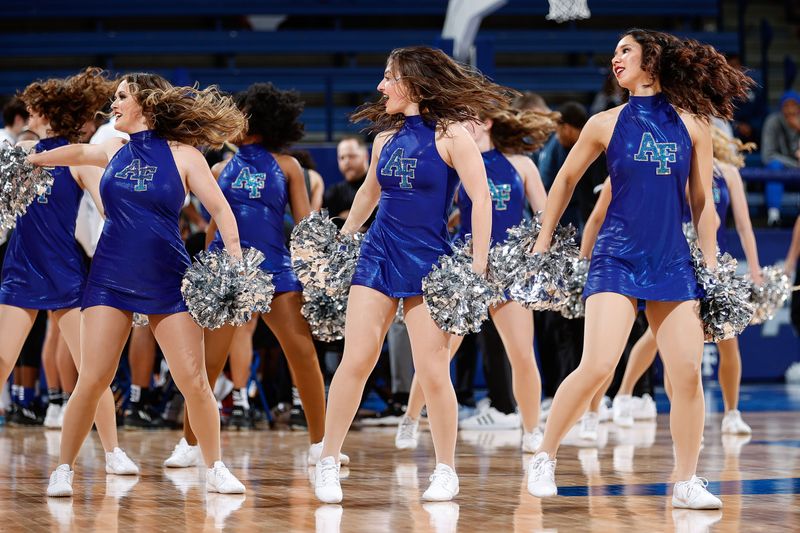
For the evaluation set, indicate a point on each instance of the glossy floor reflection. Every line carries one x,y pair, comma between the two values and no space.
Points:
618,486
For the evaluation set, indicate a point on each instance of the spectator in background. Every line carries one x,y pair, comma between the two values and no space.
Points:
315,185
611,95
530,100
353,158
780,148
15,118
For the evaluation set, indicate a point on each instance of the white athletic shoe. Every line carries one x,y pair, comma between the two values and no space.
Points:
693,494
60,420
315,454
732,424
53,416
491,418
60,482
542,476
444,484
644,408
589,423
407,437
118,462
184,456
544,410
605,411
531,441
326,481
623,416
219,479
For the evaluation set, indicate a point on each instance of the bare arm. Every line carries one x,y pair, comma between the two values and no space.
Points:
534,188
466,158
201,182
590,143
794,250
369,193
75,155
211,231
741,217
317,189
595,222
701,199
89,178
298,195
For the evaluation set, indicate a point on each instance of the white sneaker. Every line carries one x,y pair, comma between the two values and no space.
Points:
51,418
407,437
444,484
118,462
605,411
589,423
60,482
623,416
326,481
692,494
219,479
491,418
544,410
542,476
315,454
61,412
184,456
732,424
644,408
531,441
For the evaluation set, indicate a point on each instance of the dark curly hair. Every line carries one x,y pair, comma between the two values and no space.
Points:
517,132
71,102
272,115
186,114
446,91
693,76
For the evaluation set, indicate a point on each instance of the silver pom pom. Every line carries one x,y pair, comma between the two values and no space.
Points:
311,244
458,299
573,306
508,260
20,183
140,320
726,309
325,314
219,289
771,295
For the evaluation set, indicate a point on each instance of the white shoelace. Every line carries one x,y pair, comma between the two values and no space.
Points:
407,429
545,467
441,476
692,486
329,475
61,476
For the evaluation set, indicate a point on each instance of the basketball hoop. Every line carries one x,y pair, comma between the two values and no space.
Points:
564,10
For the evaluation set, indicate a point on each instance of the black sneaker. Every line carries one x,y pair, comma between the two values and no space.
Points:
281,413
141,418
390,416
240,419
25,416
297,418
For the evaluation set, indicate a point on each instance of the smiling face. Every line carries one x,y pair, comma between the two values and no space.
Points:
127,111
395,93
627,65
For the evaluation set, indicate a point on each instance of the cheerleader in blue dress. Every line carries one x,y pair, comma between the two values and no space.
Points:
503,136
418,157
44,269
140,258
258,182
655,144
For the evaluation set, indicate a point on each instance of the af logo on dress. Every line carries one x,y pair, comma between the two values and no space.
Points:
400,167
252,181
138,173
654,152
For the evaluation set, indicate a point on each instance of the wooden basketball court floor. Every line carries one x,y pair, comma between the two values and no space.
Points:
619,485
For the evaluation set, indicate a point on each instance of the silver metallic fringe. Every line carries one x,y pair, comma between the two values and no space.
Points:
20,183
771,295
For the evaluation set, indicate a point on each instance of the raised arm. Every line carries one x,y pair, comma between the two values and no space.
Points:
589,146
466,158
741,217
369,193
201,182
595,221
298,195
701,199
534,188
74,155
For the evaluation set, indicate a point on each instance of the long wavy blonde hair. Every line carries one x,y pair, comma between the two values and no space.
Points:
729,149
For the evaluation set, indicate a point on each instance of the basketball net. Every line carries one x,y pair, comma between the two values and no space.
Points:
564,10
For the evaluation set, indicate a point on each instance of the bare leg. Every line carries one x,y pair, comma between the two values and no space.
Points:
49,349
181,339
642,356
291,329
369,314
609,318
416,398
597,399
15,324
67,370
430,347
241,353
730,372
679,335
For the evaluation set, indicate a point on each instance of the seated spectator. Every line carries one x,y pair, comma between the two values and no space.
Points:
780,148
15,118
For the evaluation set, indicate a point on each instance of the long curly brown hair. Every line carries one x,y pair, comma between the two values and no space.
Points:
517,132
70,103
693,76
446,91
186,114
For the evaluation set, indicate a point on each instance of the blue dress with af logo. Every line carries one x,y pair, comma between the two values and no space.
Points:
508,197
641,250
140,258
410,230
258,191
44,267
